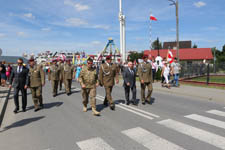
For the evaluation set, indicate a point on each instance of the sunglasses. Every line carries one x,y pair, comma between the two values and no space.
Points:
90,63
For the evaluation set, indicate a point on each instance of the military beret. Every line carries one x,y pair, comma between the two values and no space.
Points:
108,57
145,56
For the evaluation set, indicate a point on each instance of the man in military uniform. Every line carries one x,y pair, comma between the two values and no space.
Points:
68,75
89,81
61,66
107,74
145,76
53,75
36,81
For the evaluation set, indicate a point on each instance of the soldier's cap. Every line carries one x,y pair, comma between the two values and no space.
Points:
108,58
145,56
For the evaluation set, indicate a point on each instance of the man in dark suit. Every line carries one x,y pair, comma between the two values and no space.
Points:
129,77
19,81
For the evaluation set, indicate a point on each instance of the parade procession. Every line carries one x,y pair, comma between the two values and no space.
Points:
112,75
90,76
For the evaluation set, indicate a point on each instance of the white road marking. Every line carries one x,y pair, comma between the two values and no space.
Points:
217,112
142,111
150,140
207,120
196,133
137,113
94,144
136,109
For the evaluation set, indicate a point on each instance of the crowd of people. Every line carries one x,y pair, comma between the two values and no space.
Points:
5,72
90,76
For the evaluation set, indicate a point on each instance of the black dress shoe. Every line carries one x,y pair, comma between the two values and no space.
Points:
16,111
54,95
41,106
105,102
24,110
112,107
35,110
128,103
143,103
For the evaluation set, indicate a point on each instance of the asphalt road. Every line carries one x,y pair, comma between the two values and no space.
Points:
170,123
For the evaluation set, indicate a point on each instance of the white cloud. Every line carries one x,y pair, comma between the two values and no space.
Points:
210,28
21,34
105,27
2,35
46,29
76,22
96,42
199,4
77,6
29,15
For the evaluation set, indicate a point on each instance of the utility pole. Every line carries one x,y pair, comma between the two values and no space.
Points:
175,3
122,33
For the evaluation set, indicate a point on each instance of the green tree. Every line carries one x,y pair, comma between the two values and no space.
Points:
135,56
195,46
156,45
223,49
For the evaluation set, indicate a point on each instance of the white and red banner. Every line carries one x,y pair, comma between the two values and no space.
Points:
169,56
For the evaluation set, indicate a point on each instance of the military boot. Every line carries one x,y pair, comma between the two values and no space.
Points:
95,112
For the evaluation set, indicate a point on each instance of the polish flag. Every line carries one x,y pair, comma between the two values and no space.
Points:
169,57
153,18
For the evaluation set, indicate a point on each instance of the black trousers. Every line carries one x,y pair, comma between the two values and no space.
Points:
24,97
127,93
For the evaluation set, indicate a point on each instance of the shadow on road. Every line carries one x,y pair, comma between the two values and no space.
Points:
48,105
22,123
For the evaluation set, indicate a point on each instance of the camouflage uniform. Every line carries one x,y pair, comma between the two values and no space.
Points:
89,79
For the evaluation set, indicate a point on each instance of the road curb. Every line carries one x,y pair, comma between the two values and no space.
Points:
3,106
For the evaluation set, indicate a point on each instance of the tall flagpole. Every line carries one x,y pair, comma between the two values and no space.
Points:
122,32
150,46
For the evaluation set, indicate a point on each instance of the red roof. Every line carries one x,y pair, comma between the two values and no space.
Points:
185,54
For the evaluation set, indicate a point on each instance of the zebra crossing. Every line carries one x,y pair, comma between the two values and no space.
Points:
150,140
133,110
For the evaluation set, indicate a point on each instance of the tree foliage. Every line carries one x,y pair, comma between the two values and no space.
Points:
135,56
195,46
220,55
156,45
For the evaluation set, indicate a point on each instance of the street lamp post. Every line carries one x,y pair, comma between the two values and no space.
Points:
175,3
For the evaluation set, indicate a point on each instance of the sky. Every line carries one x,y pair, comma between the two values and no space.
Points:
33,26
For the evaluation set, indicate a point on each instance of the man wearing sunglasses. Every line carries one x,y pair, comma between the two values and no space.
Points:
89,81
19,81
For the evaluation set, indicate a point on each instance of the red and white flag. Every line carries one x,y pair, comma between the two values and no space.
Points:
153,18
169,57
